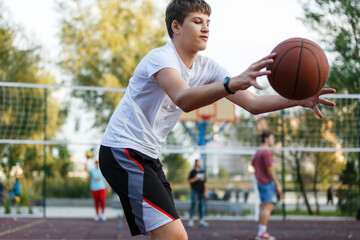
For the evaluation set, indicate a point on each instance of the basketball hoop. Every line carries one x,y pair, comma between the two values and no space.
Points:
207,113
221,111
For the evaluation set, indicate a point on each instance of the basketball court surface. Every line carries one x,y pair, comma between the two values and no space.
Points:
65,228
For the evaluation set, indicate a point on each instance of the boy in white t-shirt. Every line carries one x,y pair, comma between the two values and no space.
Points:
169,80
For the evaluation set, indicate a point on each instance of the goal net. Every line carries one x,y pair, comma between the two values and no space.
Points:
45,114
53,115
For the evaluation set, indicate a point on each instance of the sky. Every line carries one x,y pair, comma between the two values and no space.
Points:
241,32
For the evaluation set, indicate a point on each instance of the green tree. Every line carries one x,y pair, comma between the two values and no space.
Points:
326,166
348,197
102,44
224,174
177,168
348,176
338,22
177,165
22,109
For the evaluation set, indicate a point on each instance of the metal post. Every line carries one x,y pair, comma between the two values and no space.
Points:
202,126
44,149
358,133
283,163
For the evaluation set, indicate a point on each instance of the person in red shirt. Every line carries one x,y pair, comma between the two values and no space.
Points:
268,183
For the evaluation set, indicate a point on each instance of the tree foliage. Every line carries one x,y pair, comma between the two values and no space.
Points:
338,22
177,166
349,197
20,61
103,42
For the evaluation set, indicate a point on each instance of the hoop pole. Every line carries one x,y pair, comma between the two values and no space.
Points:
211,137
188,130
202,142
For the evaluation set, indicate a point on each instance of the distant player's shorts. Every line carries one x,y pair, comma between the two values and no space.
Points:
140,182
267,192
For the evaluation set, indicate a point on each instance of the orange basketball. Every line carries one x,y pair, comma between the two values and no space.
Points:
300,68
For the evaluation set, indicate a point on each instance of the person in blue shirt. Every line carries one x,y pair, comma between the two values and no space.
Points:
98,190
15,196
15,193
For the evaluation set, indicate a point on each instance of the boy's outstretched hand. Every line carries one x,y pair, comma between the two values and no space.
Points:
312,102
248,77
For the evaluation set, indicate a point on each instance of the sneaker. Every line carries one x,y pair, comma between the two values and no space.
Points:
190,223
102,217
96,218
265,236
203,224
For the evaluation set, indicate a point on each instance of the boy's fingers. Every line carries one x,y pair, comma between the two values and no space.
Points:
317,112
327,91
326,102
256,85
271,55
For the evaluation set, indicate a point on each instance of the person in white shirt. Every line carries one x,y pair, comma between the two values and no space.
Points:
167,81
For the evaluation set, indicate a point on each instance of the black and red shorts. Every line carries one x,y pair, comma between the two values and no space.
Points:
140,182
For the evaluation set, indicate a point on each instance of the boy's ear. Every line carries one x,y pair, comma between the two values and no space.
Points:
175,26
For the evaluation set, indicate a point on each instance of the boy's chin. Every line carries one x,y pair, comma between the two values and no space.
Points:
202,48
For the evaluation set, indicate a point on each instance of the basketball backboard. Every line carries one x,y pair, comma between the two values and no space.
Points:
220,111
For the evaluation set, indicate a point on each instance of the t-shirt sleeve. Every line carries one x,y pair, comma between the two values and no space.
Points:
192,174
203,172
218,72
159,59
91,173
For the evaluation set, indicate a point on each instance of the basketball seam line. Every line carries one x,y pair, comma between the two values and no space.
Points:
297,71
278,64
296,41
318,69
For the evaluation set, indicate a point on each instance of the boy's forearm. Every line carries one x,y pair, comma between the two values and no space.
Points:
270,103
194,179
257,104
193,98
185,97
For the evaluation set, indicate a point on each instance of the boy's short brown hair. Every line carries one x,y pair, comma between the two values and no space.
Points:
264,135
179,9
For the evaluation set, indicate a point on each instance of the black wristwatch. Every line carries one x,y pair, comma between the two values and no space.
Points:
226,86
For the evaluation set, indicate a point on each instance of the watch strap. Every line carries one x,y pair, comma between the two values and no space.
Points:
226,85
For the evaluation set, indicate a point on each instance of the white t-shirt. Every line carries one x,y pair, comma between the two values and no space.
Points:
146,115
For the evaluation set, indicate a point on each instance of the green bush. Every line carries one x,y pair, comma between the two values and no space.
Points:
181,192
73,188
7,206
349,201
